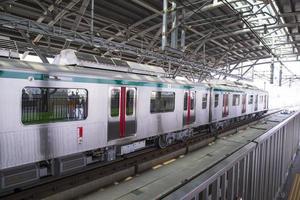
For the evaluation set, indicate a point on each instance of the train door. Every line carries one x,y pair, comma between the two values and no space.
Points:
256,103
244,103
122,113
225,111
189,107
265,102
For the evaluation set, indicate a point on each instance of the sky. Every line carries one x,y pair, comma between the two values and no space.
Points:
278,96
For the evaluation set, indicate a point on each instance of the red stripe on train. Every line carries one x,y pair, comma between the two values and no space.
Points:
122,112
188,117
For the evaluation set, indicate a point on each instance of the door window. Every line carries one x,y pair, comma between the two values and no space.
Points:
115,102
129,102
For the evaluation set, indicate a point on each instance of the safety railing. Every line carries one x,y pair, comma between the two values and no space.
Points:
256,171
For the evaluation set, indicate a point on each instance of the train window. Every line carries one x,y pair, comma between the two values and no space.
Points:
250,99
204,101
261,99
129,102
236,100
216,100
45,105
244,97
265,102
185,101
225,111
114,102
162,102
192,100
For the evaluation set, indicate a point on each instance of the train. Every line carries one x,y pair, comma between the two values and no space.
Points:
59,118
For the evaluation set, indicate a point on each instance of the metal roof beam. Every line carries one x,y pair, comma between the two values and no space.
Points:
34,47
49,9
77,21
251,66
289,14
222,57
71,4
147,6
6,1
246,30
236,65
134,25
18,23
249,58
217,4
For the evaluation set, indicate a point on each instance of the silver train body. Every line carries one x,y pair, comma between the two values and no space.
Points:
99,115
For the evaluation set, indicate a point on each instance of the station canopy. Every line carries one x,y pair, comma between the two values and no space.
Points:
198,39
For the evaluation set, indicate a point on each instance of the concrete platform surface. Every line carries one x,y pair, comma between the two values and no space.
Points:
163,178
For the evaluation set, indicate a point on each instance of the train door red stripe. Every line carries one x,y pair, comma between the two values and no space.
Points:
224,105
122,112
188,109
227,105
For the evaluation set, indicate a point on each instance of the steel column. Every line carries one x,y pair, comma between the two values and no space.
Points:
272,73
174,33
182,41
280,76
92,20
164,25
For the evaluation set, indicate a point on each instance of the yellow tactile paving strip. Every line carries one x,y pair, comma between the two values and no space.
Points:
295,190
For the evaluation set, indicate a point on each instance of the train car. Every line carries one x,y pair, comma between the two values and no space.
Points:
57,119
234,101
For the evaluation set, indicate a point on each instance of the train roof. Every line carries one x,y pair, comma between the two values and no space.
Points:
79,71
234,86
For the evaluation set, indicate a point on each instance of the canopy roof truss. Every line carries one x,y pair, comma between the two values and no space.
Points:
197,39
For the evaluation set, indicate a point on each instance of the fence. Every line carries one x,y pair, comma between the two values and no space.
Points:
255,172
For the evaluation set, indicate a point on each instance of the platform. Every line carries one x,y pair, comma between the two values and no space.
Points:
166,177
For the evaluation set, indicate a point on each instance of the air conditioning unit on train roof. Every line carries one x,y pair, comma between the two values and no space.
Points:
75,58
235,84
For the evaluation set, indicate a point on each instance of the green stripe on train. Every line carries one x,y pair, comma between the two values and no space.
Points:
20,75
25,75
41,77
227,90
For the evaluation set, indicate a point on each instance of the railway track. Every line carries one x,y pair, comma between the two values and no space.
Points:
52,185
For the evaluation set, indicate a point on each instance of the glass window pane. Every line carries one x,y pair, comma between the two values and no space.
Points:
154,103
216,100
236,100
44,105
250,99
162,102
129,102
114,102
192,100
185,101
204,101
